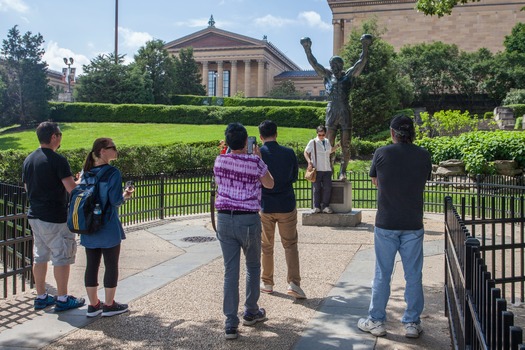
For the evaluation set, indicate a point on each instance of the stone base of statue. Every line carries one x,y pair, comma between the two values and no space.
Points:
341,204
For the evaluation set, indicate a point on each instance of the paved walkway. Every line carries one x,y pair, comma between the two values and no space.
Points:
174,288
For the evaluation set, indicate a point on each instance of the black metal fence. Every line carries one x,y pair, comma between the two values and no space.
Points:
476,309
16,241
187,193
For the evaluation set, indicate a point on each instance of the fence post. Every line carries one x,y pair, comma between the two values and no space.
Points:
501,306
508,321
471,247
516,337
161,194
478,191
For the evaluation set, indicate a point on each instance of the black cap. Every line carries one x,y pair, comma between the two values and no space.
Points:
402,123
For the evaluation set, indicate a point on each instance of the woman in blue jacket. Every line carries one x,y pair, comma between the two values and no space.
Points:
106,241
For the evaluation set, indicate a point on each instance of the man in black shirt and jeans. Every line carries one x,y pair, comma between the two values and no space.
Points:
400,172
278,206
47,178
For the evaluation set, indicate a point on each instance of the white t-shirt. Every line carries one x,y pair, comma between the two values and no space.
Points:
322,163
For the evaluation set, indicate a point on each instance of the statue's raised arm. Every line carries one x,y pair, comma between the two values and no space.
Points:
357,68
319,69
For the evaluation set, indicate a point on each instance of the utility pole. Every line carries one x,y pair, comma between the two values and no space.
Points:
116,31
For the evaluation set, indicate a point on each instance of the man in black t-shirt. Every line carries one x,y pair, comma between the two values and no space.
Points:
400,172
278,207
48,179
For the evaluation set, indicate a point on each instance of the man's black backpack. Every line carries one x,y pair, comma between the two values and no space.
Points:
86,212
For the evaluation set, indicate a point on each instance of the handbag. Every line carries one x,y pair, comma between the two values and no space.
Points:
311,175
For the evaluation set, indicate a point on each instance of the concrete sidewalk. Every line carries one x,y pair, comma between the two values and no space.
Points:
174,288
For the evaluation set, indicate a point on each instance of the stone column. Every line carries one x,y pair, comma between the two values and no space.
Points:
233,78
205,75
247,73
260,78
220,78
338,32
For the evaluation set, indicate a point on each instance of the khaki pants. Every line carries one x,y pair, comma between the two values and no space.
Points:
287,223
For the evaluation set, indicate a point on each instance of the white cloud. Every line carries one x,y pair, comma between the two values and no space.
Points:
54,57
273,21
313,19
14,5
133,40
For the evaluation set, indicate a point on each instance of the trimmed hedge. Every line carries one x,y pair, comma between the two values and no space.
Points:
305,117
238,102
160,159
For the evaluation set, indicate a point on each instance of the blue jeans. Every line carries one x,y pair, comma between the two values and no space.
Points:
236,232
409,244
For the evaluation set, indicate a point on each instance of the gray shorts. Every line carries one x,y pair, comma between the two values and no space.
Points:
52,241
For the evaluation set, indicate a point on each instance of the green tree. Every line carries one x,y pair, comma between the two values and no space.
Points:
27,91
515,42
286,89
156,64
187,74
505,71
109,82
439,8
380,90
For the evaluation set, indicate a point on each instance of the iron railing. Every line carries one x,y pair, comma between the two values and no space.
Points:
16,241
476,309
163,196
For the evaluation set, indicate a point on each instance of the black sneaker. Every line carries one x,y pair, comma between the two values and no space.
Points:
115,309
250,319
94,311
231,333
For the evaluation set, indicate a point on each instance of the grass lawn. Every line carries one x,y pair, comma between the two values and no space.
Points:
82,135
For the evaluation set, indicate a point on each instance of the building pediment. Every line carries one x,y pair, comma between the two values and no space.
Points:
214,38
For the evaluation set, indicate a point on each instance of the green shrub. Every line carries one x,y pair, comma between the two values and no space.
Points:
477,149
518,109
519,123
446,123
488,115
238,102
514,96
292,116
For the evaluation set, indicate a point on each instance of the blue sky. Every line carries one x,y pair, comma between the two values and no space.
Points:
84,29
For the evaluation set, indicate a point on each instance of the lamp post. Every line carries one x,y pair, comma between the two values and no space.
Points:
68,77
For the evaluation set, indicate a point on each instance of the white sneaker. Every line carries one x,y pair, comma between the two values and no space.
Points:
317,210
376,328
266,288
413,330
328,210
295,291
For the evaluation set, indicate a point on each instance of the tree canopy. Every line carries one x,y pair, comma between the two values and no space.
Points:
109,82
156,64
187,74
439,7
24,74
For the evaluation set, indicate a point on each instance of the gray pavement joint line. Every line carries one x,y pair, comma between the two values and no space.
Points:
29,334
334,323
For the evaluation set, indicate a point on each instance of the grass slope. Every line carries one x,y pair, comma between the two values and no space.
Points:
82,135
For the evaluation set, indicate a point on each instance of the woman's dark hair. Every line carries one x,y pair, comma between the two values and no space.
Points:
321,128
45,131
99,144
236,136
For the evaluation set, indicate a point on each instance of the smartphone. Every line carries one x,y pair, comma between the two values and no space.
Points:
251,142
130,184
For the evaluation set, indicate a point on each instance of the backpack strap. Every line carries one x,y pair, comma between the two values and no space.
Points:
96,179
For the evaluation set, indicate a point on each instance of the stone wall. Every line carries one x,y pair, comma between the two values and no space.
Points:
471,26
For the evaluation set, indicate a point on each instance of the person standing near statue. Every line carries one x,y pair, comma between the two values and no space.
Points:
338,84
278,207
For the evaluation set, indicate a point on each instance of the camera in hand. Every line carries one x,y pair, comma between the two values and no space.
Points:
130,185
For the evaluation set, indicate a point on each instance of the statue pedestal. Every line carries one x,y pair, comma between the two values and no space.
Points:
341,204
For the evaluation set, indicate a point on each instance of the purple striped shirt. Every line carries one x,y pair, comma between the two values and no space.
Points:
238,181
